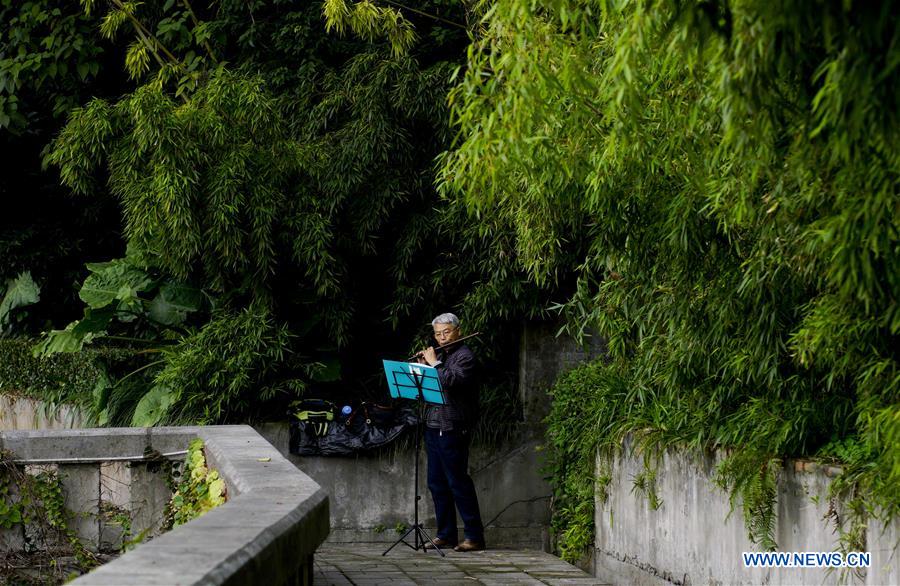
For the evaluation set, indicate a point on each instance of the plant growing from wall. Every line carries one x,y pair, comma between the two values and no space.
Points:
198,489
573,429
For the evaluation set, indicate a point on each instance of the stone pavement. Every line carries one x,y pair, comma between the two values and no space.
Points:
363,565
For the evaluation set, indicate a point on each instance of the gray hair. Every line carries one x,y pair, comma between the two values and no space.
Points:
446,318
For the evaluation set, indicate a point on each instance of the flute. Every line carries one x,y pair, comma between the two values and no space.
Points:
447,345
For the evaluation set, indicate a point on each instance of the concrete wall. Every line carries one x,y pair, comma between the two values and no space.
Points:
370,495
691,539
22,413
102,499
542,358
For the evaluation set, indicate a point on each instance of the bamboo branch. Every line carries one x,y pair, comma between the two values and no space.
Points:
426,14
194,18
147,43
150,36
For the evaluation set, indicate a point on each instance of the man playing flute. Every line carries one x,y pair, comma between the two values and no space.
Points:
447,435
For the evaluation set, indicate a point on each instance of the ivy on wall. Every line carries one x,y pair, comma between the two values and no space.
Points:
36,501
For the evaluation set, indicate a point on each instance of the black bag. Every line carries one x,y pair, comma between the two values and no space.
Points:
368,427
374,414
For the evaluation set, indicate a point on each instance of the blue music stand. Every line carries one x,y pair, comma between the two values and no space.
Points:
407,380
421,383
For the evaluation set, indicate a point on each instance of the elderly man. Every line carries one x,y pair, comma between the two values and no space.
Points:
447,433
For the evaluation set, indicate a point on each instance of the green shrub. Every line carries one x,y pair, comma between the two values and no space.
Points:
225,370
584,401
60,378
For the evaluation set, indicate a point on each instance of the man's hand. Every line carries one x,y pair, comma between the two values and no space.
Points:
430,356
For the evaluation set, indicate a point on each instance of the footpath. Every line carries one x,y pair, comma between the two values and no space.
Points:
363,565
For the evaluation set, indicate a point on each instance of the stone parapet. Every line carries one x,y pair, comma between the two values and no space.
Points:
267,532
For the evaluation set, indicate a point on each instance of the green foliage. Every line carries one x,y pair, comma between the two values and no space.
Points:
19,292
727,174
223,370
199,489
578,410
61,378
50,60
370,22
201,183
113,515
171,33
755,491
126,296
302,192
645,483
12,511
153,406
211,374
46,50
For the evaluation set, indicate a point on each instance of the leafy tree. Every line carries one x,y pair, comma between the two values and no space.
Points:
733,169
303,195
47,50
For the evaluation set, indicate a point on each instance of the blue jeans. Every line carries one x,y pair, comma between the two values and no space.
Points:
451,486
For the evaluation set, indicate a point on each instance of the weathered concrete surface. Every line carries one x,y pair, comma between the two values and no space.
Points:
884,543
81,487
691,539
96,444
542,358
147,498
115,493
363,564
22,413
370,495
266,533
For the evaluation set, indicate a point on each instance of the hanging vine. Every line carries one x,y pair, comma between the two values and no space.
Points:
35,504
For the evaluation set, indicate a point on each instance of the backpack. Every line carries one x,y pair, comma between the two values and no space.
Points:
316,414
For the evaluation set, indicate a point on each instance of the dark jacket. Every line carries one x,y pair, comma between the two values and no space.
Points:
458,372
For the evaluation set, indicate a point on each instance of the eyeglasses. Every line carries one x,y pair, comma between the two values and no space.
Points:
444,333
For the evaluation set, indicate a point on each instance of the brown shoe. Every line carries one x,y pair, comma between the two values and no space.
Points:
442,543
469,545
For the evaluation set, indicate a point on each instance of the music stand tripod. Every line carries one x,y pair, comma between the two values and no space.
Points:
420,383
